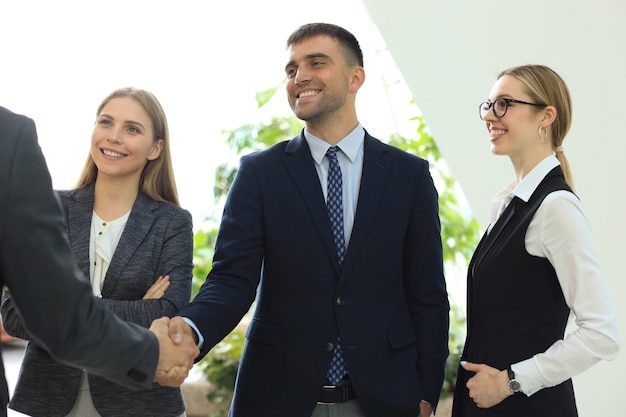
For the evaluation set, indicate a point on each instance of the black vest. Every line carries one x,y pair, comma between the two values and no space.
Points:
515,309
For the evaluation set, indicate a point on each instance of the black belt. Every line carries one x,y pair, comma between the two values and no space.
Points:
332,394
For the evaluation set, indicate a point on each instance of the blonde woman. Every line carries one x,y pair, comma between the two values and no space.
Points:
134,244
534,267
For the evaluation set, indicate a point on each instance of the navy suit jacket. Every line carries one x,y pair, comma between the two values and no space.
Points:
388,302
37,266
157,240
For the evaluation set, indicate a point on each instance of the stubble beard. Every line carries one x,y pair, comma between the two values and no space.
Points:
321,113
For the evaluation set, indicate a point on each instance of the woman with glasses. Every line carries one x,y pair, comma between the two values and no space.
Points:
535,265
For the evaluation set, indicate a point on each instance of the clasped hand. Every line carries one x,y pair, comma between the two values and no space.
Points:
176,353
489,386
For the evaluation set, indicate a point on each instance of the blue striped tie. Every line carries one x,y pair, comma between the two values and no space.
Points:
334,205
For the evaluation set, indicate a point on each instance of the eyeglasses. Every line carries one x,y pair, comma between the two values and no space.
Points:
500,106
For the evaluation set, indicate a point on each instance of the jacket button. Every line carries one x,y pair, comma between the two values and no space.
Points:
329,347
339,301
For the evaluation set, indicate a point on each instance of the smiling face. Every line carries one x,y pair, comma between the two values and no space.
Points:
321,87
123,142
517,132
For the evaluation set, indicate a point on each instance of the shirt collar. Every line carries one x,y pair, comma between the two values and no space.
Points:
529,184
349,145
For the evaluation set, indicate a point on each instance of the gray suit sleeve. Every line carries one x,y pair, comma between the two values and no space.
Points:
37,266
11,319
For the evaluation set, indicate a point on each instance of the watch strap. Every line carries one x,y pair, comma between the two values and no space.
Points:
511,373
514,384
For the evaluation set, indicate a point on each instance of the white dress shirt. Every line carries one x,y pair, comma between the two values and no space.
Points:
560,232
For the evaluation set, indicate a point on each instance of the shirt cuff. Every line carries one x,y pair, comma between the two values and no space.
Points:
195,329
528,375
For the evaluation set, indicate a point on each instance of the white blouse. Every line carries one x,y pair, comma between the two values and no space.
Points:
102,244
560,232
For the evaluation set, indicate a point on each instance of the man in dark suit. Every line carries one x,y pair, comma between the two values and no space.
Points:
37,267
352,273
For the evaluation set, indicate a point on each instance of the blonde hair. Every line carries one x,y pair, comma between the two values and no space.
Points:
546,87
157,179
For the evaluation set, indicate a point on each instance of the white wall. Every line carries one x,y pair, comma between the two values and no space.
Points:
449,53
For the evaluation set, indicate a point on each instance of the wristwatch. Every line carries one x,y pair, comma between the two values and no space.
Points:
514,384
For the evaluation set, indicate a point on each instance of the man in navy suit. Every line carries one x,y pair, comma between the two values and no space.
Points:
379,293
55,302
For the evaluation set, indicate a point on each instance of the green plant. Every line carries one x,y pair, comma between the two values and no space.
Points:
456,338
221,363
459,232
203,245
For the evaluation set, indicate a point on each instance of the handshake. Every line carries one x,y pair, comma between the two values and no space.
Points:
177,350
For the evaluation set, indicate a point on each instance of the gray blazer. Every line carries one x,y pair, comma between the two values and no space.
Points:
36,264
157,240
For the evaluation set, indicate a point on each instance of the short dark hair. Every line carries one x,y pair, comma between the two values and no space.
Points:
349,44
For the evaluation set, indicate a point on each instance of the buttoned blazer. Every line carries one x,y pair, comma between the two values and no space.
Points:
388,302
37,266
157,240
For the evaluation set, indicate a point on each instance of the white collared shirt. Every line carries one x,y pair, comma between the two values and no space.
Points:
560,232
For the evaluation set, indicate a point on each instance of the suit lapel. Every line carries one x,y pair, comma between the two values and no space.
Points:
300,165
492,237
79,216
375,171
139,223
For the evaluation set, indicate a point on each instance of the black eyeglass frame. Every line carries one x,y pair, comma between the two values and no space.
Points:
507,102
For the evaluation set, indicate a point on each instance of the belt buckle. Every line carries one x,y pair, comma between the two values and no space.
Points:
344,391
327,387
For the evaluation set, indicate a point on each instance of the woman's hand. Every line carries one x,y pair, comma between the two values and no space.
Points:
158,288
489,387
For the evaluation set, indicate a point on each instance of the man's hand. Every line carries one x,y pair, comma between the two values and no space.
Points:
489,386
179,328
175,358
426,410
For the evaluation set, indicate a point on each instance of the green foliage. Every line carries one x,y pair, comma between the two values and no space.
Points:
456,338
203,244
264,97
459,232
220,366
250,138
